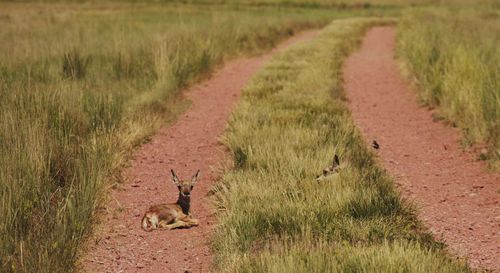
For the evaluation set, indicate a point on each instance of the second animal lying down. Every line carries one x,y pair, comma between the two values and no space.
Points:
335,168
173,215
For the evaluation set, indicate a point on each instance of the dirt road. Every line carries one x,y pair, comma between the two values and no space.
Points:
457,199
190,144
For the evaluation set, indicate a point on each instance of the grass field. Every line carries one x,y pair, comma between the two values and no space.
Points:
454,56
80,86
344,4
274,216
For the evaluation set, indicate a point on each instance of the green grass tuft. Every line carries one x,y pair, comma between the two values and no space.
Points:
74,65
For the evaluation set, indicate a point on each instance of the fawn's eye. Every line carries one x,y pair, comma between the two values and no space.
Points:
191,188
325,172
179,187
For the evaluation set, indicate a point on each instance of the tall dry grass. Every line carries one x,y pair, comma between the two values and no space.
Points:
344,4
454,56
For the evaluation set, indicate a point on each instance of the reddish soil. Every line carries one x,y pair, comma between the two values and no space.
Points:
190,144
457,198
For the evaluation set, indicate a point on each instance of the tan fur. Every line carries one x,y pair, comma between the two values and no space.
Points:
333,169
174,215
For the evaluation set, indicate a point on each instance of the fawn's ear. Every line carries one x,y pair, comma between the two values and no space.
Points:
336,161
175,179
195,178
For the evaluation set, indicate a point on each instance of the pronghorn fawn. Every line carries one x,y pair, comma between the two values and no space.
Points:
331,170
174,215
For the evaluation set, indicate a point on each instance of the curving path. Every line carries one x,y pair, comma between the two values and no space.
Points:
190,144
457,199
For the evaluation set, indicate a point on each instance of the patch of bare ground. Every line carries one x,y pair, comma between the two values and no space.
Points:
456,196
120,245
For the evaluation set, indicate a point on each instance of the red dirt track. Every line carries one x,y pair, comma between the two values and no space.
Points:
190,144
457,198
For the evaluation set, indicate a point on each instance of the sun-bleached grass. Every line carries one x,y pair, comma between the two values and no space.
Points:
317,257
454,57
80,86
274,216
344,4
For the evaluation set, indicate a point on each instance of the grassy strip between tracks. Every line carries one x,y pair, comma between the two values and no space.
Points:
274,216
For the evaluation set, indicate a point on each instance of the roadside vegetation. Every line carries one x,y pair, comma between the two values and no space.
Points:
453,55
80,86
340,4
274,216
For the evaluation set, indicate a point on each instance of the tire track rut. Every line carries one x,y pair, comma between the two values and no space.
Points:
457,198
190,144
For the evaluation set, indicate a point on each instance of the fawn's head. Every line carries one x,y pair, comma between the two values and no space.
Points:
330,170
185,186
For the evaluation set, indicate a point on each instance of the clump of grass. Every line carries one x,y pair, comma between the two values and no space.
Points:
75,65
275,217
454,58
133,64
